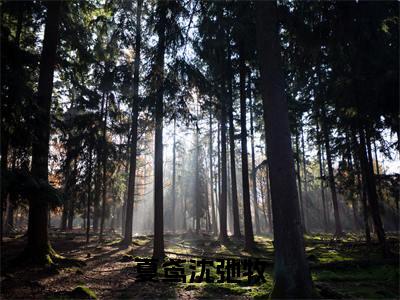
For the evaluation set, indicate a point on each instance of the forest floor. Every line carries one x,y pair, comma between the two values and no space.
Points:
340,269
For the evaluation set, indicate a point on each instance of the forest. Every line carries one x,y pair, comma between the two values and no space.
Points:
199,149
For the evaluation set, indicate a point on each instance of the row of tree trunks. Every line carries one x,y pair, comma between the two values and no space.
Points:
370,186
331,176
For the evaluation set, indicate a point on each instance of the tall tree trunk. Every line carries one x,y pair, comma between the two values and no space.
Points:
38,246
331,176
268,194
104,171
253,160
123,208
197,184
223,233
89,193
321,176
97,191
158,250
71,195
67,189
4,155
174,178
229,196
213,216
363,197
378,175
10,212
303,220
218,183
12,200
305,181
134,130
264,207
185,208
248,226
291,270
235,205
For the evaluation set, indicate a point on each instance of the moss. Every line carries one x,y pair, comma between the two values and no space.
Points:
215,290
382,273
126,258
82,292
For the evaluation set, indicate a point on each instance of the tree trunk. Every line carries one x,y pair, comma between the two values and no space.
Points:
223,233
264,207
134,130
97,191
38,246
213,216
197,184
253,161
123,208
235,205
218,183
4,155
292,274
174,179
104,171
303,220
229,195
71,195
248,226
10,213
268,196
158,250
321,176
378,175
305,198
89,194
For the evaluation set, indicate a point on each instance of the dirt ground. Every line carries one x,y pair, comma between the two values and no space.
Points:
339,270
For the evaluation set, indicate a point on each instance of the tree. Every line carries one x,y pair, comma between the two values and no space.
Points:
248,226
38,246
291,272
134,129
253,160
158,250
235,206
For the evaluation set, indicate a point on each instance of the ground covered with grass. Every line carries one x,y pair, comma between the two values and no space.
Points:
345,268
